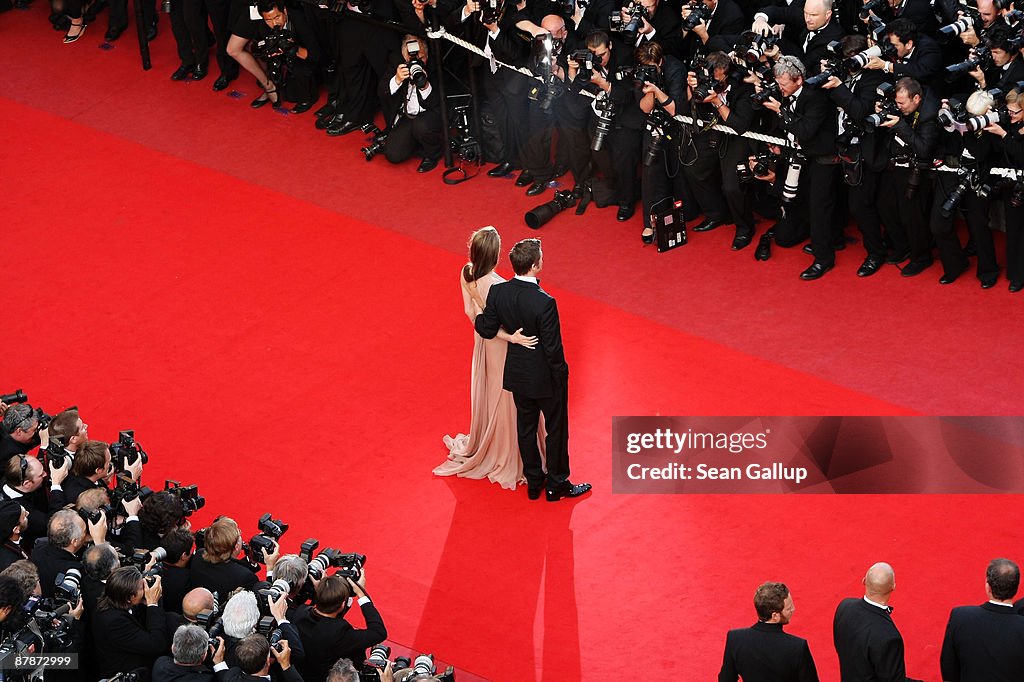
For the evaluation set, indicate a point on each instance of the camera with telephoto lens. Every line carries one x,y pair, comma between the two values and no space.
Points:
885,97
378,660
57,455
660,127
794,166
424,666
884,50
954,113
417,69
463,142
769,90
188,495
630,26
706,82
266,627
604,110
68,586
376,145
584,66
126,451
752,46
491,11
871,6
210,621
970,19
127,490
279,589
981,58
877,29
540,215
16,397
141,558
699,13
835,65
968,180
48,629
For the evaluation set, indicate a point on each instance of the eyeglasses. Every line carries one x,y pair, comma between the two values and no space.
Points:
1013,112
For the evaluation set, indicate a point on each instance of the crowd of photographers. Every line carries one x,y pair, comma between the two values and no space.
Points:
105,578
870,97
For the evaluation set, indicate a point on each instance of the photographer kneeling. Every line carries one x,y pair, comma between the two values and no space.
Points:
288,45
413,109
326,635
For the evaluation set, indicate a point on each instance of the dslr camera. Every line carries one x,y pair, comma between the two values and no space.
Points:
262,544
126,451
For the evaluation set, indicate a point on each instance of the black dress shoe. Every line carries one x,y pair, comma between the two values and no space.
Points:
568,489
816,271
869,267
897,257
989,282
500,171
325,122
949,278
113,33
199,73
742,241
625,212
339,128
764,248
534,493
182,72
302,107
426,165
327,109
525,178
537,187
1016,286
911,269
707,225
221,83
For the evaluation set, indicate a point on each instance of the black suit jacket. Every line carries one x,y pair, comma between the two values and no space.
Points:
817,46
813,122
764,653
868,643
726,26
859,102
983,644
327,639
536,372
924,65
52,561
221,578
236,675
166,670
121,642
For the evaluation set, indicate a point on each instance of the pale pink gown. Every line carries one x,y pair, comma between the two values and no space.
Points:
491,449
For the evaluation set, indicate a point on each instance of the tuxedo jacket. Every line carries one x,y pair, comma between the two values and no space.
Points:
764,653
536,372
276,674
983,644
726,26
166,670
924,65
859,102
393,105
814,122
817,46
870,647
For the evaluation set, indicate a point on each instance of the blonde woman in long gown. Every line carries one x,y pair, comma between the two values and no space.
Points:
491,449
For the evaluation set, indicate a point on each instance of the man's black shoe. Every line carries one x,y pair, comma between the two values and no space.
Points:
707,225
949,278
525,178
625,212
500,171
325,122
199,73
182,72
560,171
534,493
113,33
302,107
327,109
911,269
989,282
1016,286
808,249
537,187
895,258
816,271
337,129
764,247
869,267
221,83
426,165
568,489
742,241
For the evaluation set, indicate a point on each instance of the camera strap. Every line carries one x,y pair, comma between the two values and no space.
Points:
458,174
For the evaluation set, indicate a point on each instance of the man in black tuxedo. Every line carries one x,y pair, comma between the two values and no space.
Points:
258,662
986,643
412,108
865,636
811,43
188,651
917,55
763,652
539,381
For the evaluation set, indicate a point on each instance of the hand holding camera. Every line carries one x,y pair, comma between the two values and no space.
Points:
153,590
282,653
98,530
58,474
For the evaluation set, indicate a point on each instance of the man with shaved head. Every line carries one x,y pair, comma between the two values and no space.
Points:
866,639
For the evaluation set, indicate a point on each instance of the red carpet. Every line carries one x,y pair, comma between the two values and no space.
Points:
279,322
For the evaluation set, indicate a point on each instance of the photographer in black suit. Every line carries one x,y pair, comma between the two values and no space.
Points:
720,32
215,566
126,637
865,636
190,647
917,55
19,431
538,381
763,652
258,662
296,51
412,108
986,643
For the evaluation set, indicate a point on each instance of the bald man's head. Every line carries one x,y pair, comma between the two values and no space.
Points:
196,601
879,582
